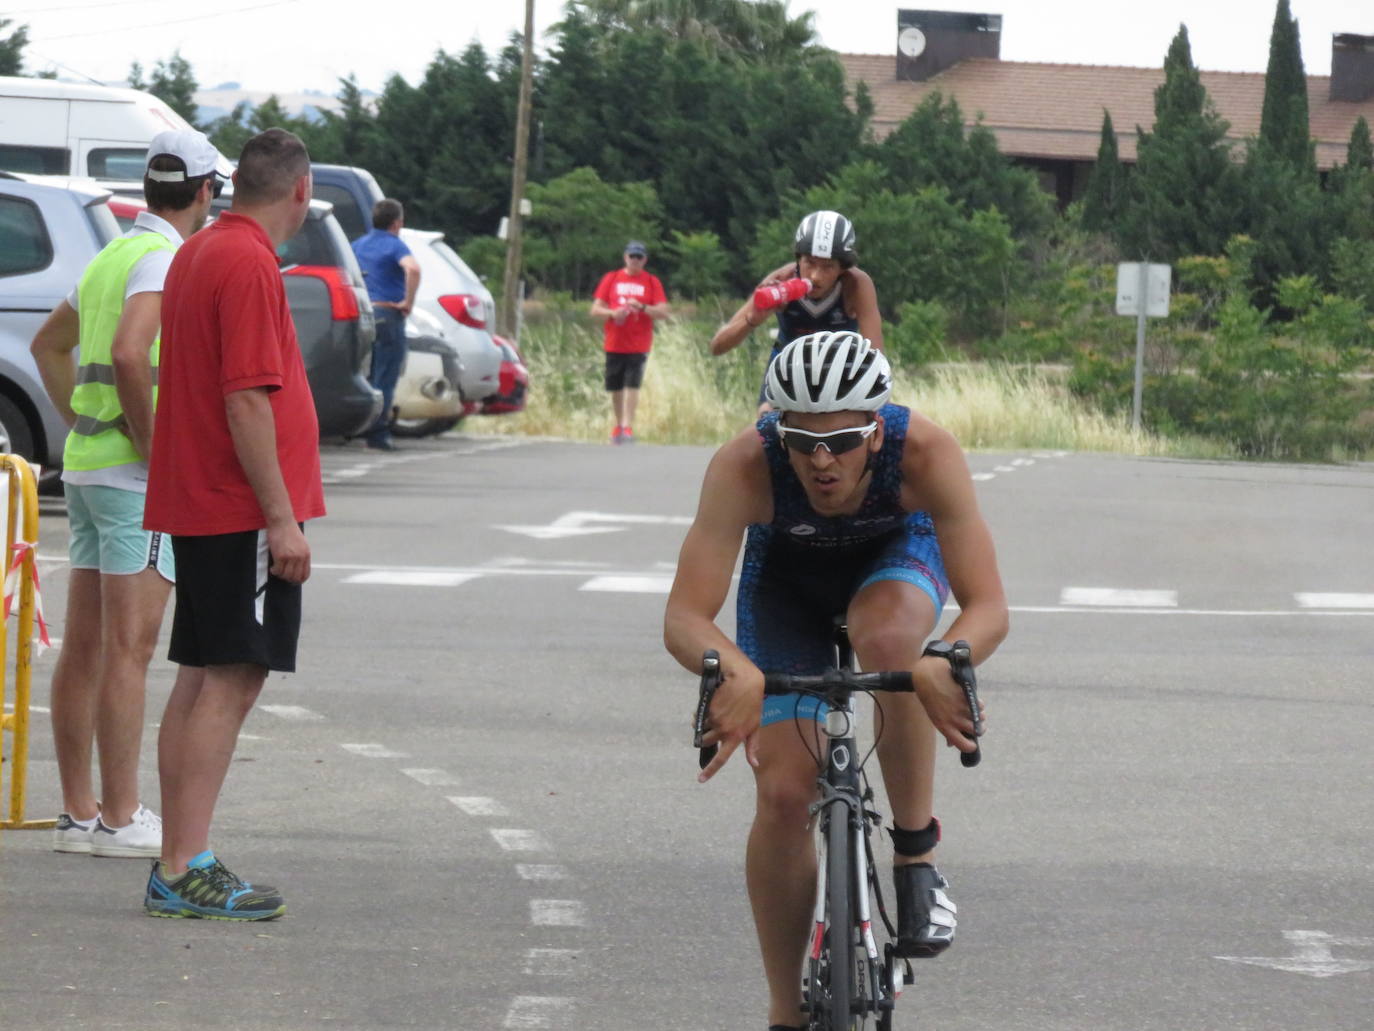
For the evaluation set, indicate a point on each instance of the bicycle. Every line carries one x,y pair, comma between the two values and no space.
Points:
845,983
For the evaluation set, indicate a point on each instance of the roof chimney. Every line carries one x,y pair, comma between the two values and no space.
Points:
928,42
1352,66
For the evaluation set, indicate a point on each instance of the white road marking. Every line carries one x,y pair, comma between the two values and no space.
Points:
432,778
1312,955
411,578
477,806
551,962
32,708
539,1011
1118,597
984,476
630,584
575,524
1023,461
558,913
372,750
1004,468
513,840
542,871
291,712
1335,600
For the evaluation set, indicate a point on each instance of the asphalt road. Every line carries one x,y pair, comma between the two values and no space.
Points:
478,794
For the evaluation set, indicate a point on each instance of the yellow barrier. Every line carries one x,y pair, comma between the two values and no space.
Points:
21,549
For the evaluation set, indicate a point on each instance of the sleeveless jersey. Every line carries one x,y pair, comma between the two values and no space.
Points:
881,511
798,318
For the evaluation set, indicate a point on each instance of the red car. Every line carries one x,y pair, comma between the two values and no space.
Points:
513,383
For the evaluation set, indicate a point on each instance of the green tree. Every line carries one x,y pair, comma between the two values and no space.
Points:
747,28
1360,151
1102,199
12,44
1284,129
172,82
699,264
230,132
932,147
578,225
1182,196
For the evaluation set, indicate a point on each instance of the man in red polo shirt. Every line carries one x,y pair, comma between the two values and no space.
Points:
629,299
234,474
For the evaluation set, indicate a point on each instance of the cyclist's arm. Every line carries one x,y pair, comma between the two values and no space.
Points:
938,467
861,298
748,318
735,493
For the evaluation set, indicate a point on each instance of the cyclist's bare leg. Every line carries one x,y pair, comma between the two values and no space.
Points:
780,864
889,622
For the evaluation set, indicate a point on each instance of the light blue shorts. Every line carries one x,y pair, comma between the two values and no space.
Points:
107,533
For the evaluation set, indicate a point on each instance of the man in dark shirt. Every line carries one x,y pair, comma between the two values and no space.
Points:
392,276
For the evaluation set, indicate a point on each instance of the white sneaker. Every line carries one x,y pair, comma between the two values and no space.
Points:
141,839
72,835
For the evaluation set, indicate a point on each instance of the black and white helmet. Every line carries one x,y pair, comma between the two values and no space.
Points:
826,234
829,372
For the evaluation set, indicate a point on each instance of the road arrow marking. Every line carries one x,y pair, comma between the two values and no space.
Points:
575,524
1311,955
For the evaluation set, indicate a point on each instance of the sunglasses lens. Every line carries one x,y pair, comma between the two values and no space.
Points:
835,443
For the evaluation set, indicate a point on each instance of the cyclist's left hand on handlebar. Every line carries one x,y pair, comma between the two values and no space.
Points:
734,718
945,703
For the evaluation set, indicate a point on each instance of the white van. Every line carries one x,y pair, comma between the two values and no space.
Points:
87,131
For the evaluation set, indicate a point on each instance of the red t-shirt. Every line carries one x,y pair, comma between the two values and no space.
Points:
636,334
226,327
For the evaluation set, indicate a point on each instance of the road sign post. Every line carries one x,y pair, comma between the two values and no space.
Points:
1142,290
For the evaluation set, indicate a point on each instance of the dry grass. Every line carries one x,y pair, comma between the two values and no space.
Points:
691,398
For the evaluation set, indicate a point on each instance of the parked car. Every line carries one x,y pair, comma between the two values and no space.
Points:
449,290
67,128
427,399
513,382
49,231
452,293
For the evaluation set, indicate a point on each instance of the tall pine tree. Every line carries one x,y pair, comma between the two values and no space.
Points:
1102,200
12,44
1182,197
1284,129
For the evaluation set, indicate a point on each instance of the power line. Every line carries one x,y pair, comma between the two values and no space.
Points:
173,21
79,7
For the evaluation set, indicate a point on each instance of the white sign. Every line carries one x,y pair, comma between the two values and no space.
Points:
1157,279
1312,955
575,524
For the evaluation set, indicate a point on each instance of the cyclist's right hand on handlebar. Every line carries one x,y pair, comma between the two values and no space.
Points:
734,716
945,703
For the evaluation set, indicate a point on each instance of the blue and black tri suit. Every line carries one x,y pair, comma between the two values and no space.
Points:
802,569
798,318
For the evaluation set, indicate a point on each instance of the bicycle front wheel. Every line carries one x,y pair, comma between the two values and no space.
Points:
839,880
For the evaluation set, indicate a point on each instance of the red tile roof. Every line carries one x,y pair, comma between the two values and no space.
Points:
1055,110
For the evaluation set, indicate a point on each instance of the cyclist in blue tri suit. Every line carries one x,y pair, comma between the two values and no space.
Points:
850,505
842,295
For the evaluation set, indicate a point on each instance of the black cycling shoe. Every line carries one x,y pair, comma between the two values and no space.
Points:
925,914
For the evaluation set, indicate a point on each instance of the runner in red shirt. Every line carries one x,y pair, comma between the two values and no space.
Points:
629,299
234,473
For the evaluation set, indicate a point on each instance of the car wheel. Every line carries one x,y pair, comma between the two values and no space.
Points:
422,427
16,428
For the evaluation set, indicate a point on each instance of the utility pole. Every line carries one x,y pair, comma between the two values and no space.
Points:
511,296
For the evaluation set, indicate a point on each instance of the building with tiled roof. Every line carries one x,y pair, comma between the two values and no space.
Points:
1049,116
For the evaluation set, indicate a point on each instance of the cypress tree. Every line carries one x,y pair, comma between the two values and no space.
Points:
1102,199
12,46
1360,152
1284,129
1182,197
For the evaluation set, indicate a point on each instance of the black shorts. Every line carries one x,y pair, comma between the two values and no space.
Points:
229,608
625,370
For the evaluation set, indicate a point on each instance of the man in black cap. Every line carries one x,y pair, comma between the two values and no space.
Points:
629,299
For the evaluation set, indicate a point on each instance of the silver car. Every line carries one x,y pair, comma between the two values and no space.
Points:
49,231
452,293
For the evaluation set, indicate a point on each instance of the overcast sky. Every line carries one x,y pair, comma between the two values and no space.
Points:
293,45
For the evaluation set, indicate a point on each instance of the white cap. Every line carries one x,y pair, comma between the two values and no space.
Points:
193,149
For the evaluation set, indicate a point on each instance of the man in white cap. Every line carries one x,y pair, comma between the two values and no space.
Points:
121,574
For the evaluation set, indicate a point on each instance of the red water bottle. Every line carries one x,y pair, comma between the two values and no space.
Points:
778,294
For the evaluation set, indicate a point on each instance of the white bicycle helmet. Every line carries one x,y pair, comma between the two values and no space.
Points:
829,372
